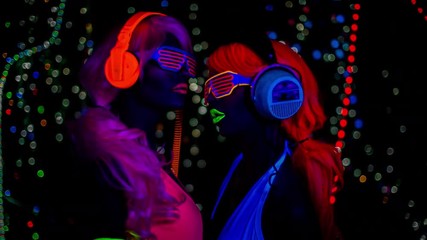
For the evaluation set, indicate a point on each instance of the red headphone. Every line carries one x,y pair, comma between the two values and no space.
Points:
122,67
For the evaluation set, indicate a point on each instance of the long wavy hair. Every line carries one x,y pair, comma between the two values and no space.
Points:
319,162
100,136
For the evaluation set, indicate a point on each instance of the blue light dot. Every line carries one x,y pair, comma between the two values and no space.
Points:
90,43
165,3
353,99
340,18
36,75
308,24
13,129
36,209
317,54
30,136
272,35
358,123
339,53
335,43
297,46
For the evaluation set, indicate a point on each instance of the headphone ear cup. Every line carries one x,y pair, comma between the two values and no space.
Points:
122,70
277,92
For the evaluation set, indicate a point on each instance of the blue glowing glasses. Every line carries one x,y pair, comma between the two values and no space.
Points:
223,84
174,59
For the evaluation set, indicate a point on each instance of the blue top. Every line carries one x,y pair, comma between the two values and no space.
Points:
245,222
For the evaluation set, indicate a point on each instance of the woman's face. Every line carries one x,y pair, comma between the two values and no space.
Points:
166,74
232,113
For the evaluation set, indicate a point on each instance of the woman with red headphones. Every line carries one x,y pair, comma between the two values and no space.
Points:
136,82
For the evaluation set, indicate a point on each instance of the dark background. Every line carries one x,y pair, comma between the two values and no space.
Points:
43,43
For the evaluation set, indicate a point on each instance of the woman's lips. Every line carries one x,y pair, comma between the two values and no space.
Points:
181,88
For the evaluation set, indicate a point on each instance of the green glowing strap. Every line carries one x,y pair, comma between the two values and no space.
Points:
133,235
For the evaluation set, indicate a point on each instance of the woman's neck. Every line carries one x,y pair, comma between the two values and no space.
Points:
149,119
262,149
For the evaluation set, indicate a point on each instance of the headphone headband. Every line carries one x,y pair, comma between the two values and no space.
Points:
125,34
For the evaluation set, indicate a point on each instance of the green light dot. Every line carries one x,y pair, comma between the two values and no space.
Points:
40,173
19,163
66,102
36,236
40,109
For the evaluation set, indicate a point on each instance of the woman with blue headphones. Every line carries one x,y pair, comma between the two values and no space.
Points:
283,183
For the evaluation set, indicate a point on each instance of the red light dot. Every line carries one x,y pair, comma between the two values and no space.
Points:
357,6
332,199
306,9
334,189
30,224
346,102
341,134
343,122
355,16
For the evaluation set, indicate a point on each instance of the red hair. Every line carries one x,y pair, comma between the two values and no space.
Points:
319,162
